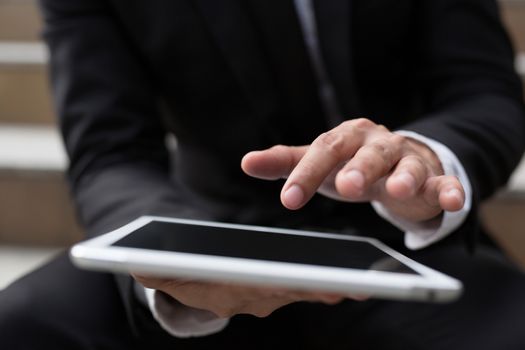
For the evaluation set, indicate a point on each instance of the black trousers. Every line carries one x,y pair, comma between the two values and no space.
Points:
61,307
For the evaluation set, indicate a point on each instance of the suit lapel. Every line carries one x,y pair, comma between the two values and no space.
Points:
262,41
236,28
236,38
335,37
283,42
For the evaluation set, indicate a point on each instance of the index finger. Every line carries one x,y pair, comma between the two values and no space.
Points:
273,163
322,157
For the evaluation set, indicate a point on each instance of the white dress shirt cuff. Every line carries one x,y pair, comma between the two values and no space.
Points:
421,235
182,321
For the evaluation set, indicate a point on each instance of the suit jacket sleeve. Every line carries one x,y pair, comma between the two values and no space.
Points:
110,122
109,118
474,93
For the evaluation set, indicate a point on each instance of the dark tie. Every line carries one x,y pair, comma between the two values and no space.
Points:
282,41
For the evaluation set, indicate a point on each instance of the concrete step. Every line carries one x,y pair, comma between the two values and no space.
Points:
513,14
16,261
24,88
19,20
520,64
504,219
503,215
35,207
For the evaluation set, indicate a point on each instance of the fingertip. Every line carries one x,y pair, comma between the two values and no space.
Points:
261,165
351,183
244,159
293,197
402,185
247,161
356,178
271,164
452,199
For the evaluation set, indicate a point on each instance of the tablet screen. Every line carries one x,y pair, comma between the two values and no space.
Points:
248,244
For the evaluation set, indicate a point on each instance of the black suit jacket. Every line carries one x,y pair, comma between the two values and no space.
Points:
230,76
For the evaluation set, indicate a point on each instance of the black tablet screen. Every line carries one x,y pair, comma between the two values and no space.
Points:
248,244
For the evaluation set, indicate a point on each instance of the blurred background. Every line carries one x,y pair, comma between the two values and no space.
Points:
37,220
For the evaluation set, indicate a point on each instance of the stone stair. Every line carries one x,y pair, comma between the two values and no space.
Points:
35,209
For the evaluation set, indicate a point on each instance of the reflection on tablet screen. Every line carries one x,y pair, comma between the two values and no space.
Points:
239,243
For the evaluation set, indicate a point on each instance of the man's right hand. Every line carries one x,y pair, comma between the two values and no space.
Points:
227,300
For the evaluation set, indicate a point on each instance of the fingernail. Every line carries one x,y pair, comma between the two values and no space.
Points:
454,192
293,197
356,177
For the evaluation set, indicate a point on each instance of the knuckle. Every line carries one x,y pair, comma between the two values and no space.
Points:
347,124
363,123
397,140
332,300
382,128
224,311
307,171
368,165
278,148
262,313
383,150
415,166
413,161
332,142
380,147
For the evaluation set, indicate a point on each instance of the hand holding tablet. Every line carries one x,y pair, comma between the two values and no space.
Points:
281,265
226,300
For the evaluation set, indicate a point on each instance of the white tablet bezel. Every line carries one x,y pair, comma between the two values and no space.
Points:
98,254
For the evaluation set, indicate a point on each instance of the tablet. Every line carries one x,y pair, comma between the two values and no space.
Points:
271,257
